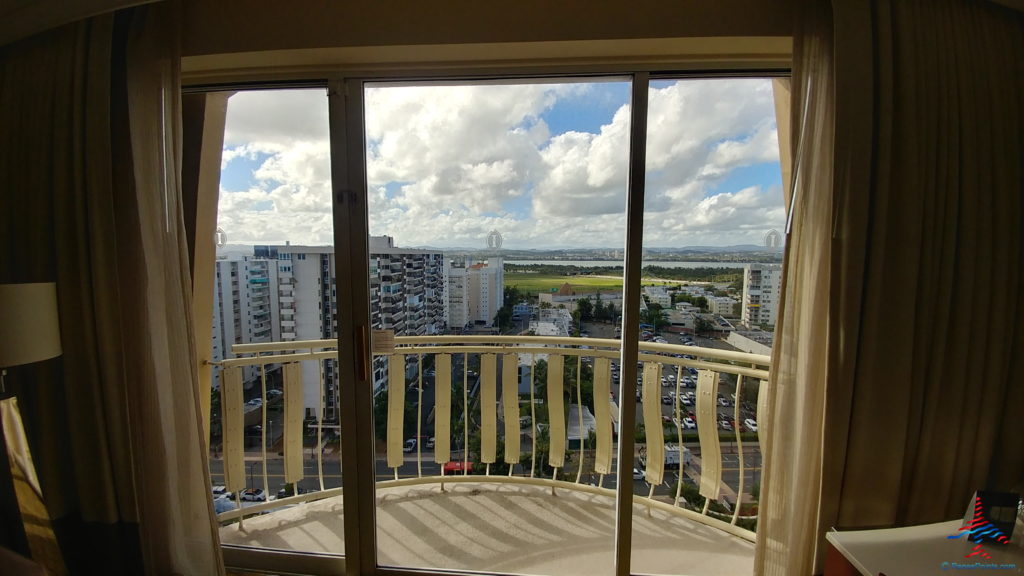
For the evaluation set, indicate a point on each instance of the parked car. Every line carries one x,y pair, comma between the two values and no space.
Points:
219,490
222,505
666,400
254,495
725,425
686,401
430,443
637,474
410,445
689,424
751,424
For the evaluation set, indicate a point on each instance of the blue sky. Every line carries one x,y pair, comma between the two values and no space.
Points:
544,164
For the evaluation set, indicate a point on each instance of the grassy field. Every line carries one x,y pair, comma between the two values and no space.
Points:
536,283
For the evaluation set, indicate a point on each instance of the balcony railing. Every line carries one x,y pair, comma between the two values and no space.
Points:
487,372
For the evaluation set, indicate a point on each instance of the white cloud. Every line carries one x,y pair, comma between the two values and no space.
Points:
447,164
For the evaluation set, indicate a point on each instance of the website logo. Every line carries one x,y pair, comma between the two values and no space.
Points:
980,530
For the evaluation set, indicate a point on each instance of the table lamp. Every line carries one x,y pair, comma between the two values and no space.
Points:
29,332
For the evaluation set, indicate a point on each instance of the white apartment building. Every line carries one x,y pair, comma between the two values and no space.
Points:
686,307
244,308
298,301
307,302
475,291
407,294
658,295
456,297
722,305
762,288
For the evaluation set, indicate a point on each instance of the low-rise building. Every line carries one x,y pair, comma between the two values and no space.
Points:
722,305
658,295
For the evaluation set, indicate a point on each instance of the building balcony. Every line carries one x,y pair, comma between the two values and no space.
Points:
547,514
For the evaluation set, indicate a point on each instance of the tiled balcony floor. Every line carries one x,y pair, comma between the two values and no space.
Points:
505,528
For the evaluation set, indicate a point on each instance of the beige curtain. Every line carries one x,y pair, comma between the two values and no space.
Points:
89,198
177,522
792,455
897,397
57,209
927,383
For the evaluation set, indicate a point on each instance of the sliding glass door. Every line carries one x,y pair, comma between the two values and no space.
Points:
524,358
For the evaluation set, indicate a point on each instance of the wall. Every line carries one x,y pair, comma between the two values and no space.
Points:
249,25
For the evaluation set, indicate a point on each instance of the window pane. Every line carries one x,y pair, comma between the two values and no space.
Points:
496,209
276,423
713,209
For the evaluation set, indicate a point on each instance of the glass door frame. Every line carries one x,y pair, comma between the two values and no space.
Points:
351,229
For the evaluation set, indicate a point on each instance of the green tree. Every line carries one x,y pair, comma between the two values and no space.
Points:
503,319
655,316
585,308
380,415
701,325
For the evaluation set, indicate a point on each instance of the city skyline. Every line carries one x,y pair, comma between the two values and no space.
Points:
543,163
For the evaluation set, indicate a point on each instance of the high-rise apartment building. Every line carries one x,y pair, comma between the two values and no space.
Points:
285,293
245,308
307,304
475,291
407,289
407,294
762,288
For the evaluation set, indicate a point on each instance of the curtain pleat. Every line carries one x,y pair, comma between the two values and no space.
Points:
176,512
934,222
918,347
57,213
89,198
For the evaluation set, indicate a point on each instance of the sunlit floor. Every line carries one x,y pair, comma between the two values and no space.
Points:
504,528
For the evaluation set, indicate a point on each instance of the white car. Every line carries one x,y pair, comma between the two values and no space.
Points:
689,424
409,446
751,424
253,495
637,474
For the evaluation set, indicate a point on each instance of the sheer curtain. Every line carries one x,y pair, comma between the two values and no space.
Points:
792,455
176,513
89,198
897,367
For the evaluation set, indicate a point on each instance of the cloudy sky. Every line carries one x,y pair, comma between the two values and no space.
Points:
544,164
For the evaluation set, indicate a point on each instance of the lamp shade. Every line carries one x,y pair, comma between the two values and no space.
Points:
29,327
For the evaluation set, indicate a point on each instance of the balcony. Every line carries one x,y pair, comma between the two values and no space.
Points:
553,516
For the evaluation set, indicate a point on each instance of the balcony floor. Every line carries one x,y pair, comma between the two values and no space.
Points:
516,528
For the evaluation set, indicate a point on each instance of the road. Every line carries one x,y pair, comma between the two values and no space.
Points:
332,474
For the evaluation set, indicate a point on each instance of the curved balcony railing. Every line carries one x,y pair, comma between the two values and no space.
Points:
563,377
